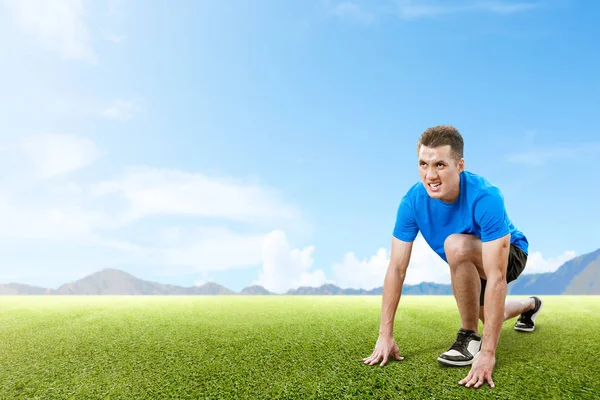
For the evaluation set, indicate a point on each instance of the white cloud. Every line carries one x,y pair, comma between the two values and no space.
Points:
196,250
536,263
541,156
366,12
285,268
352,11
410,9
418,9
134,217
211,249
121,110
57,154
424,265
50,221
365,274
58,25
504,7
152,191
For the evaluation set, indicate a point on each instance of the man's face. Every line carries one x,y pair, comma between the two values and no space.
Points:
440,172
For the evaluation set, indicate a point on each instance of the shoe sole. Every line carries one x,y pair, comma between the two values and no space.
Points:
524,329
533,317
455,363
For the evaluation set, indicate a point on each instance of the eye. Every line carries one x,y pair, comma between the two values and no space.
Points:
440,165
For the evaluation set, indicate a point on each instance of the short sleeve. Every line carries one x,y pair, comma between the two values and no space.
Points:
406,228
490,215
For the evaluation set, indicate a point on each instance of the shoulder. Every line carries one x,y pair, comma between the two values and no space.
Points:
415,192
414,195
481,187
486,199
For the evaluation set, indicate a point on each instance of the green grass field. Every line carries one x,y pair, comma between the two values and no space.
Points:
63,347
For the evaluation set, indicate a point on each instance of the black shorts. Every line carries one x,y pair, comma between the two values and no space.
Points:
517,259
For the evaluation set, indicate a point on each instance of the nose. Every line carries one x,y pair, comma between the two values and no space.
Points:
431,173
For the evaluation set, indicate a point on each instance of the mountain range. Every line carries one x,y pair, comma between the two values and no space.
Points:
578,276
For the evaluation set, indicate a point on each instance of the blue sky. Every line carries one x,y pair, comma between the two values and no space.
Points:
270,142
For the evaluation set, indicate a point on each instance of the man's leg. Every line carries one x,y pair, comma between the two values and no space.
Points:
466,271
527,309
464,256
512,308
468,284
466,266
463,253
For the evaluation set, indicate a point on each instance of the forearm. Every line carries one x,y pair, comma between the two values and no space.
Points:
495,296
392,289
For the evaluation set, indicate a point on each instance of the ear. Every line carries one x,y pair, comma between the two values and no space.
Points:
461,165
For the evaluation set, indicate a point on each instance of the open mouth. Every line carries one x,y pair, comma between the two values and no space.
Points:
435,186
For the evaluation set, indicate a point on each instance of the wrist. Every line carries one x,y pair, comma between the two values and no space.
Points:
488,352
386,333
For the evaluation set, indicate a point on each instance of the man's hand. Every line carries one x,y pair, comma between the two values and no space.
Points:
385,346
481,371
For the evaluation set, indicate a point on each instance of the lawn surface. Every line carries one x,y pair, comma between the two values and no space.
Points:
62,347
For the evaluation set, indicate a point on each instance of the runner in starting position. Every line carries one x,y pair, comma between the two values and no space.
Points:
462,217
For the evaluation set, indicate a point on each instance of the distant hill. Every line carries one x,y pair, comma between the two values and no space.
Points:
115,282
322,290
255,290
329,289
17,288
580,275
425,288
209,288
112,282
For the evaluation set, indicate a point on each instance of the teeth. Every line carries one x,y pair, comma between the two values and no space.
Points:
434,185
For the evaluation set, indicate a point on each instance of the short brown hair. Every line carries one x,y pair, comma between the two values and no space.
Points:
442,135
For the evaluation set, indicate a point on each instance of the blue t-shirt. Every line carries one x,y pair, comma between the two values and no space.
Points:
478,211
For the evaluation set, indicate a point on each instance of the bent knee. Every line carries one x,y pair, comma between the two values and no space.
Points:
459,248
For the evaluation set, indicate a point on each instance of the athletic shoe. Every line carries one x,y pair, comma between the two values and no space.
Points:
526,322
464,349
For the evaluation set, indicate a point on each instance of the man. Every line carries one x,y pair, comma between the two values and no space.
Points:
462,217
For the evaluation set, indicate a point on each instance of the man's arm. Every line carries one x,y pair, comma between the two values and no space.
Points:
392,285
392,288
495,263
